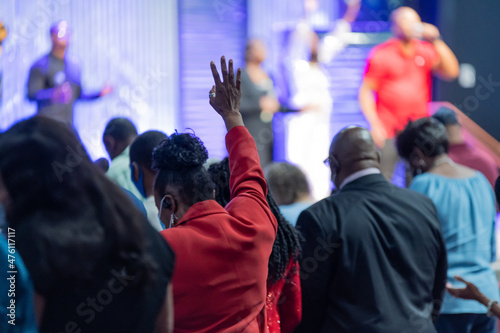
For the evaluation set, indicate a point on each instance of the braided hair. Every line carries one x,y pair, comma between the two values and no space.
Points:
286,246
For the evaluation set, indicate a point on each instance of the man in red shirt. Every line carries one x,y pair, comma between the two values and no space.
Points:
463,153
397,82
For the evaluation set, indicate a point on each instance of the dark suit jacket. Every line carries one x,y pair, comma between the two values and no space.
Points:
373,260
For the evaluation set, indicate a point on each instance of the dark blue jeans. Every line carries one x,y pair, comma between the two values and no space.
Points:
466,323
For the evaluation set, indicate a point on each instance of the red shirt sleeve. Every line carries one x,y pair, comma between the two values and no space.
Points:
431,56
247,184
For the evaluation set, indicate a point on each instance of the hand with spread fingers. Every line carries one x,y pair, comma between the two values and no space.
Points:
225,96
469,292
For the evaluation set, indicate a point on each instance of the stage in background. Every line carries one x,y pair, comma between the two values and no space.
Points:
130,44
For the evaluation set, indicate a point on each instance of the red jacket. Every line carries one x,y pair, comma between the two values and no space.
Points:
219,281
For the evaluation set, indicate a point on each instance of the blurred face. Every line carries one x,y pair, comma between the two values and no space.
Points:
258,51
60,35
406,24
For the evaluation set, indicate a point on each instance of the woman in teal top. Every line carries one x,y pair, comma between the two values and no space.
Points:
466,209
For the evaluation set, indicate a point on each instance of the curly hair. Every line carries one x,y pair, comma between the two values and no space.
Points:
427,134
286,246
179,161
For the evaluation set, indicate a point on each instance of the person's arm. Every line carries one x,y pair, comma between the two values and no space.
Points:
246,177
290,302
447,67
165,319
369,109
106,90
315,272
472,292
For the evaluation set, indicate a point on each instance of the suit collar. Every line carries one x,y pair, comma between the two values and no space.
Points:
366,182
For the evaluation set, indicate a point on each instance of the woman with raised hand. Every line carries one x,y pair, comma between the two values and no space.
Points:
222,253
96,263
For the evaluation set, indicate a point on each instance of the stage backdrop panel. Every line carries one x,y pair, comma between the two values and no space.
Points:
130,44
207,30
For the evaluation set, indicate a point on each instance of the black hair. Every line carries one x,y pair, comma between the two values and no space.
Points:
179,161
286,182
120,129
427,134
286,246
85,225
141,150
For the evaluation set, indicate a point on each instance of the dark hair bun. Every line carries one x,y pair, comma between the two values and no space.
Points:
180,151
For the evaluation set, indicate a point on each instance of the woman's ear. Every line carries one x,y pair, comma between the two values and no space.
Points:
135,171
169,203
416,157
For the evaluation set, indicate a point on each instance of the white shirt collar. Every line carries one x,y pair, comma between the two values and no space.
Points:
359,174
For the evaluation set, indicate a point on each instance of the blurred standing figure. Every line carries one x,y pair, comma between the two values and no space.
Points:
466,209
55,79
397,83
258,102
309,131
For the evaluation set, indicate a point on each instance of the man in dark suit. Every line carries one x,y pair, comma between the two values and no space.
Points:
373,258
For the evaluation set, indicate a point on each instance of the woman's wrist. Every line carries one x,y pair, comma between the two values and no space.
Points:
233,120
483,300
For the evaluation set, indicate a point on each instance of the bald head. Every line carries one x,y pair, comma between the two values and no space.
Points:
353,149
405,23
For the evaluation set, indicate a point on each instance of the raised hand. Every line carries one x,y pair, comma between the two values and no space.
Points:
225,96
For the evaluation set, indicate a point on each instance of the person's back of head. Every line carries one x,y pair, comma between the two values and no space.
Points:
287,183
80,219
118,135
352,150
421,141
181,179
141,160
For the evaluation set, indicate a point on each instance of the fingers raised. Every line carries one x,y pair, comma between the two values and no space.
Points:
223,68
238,80
231,73
460,279
215,74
